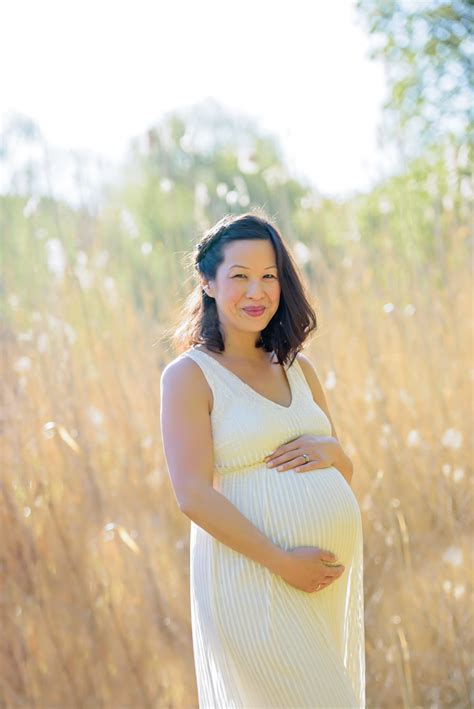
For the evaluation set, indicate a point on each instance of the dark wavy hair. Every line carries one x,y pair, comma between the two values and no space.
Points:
294,320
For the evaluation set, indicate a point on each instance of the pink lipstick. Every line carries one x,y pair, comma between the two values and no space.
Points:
254,312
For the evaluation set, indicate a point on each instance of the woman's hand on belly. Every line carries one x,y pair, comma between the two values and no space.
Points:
309,568
322,452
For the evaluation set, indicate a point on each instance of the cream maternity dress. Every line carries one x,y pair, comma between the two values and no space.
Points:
258,642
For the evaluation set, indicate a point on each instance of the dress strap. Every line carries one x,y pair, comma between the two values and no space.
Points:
211,374
299,378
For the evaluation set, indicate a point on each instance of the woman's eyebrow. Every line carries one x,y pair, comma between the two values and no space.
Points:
239,265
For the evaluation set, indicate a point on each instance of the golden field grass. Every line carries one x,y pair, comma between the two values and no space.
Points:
95,592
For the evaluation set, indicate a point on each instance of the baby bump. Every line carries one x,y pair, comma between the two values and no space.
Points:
317,508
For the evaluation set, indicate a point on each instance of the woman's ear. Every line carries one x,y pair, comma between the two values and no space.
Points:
207,288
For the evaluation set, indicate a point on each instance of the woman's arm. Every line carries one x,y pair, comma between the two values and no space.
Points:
188,447
343,462
217,515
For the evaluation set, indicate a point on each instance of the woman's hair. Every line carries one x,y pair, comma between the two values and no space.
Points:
294,320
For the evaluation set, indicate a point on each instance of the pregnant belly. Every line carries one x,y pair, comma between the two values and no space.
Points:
317,508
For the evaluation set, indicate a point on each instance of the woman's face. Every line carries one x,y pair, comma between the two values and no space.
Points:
248,277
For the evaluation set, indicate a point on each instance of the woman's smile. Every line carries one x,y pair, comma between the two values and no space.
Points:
254,312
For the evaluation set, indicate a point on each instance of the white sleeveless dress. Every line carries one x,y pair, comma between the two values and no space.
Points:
258,642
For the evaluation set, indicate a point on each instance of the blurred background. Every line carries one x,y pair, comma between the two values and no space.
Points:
127,130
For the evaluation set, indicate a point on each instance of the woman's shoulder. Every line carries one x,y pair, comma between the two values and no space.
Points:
183,373
183,367
305,363
311,374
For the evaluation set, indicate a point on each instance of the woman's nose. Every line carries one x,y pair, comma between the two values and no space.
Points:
254,289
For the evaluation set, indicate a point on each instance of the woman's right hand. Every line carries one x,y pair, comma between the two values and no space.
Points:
305,568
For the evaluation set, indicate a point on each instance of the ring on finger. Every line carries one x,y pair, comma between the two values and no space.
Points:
306,457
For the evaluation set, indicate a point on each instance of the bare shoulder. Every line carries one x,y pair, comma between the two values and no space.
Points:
309,370
185,378
314,383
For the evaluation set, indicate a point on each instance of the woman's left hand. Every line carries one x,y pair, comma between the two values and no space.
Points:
323,452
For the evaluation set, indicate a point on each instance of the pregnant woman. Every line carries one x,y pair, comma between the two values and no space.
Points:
276,546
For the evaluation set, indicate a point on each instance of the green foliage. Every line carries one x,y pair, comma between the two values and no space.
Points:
194,166
427,50
170,191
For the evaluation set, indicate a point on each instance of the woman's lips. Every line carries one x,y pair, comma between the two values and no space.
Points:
254,312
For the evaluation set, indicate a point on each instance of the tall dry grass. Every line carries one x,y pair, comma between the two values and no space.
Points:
95,598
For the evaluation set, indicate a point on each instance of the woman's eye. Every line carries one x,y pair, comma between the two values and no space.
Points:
243,274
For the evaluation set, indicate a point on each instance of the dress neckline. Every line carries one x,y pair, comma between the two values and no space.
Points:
247,386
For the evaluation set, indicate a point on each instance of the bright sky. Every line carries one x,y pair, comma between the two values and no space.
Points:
95,73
